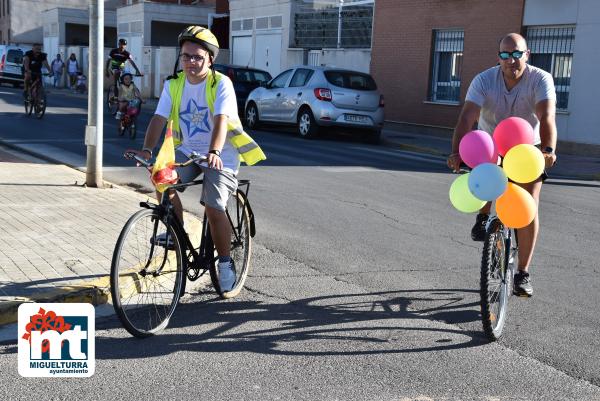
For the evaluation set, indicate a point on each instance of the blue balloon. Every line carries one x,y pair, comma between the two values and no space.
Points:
487,181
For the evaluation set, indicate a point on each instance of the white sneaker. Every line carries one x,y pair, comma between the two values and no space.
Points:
226,275
161,240
118,115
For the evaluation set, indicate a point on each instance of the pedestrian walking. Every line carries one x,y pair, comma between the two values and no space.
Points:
58,67
72,70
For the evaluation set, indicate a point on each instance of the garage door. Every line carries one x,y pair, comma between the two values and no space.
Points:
242,50
268,53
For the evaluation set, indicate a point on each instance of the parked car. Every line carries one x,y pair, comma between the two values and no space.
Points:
11,63
314,97
245,80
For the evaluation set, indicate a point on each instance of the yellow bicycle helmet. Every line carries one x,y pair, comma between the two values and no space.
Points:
202,36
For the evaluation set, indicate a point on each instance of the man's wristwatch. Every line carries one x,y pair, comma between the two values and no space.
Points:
549,149
215,152
147,150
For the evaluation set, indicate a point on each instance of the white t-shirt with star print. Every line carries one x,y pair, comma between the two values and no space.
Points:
196,120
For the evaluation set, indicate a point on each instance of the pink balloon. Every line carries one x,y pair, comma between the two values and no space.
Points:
512,131
477,147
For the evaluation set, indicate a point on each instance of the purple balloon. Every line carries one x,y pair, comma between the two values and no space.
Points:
477,147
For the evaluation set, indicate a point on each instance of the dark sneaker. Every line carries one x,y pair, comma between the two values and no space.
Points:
478,230
523,286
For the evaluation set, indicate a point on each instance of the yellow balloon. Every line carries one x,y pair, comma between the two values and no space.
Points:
523,163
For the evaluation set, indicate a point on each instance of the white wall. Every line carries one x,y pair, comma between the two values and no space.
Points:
581,123
134,23
251,9
352,59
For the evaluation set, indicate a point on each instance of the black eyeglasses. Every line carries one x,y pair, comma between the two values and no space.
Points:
194,58
517,54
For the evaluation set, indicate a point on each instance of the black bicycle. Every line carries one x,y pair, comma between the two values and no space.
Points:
154,256
35,101
500,255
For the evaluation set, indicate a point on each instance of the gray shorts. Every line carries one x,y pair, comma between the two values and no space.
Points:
217,186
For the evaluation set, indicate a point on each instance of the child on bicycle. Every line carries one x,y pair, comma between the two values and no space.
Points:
129,95
202,106
81,85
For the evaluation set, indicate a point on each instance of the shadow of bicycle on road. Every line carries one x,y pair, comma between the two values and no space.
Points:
347,324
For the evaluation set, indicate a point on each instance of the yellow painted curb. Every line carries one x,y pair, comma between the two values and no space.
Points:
95,292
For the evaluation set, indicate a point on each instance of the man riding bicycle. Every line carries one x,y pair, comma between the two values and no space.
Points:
512,88
202,106
116,63
33,61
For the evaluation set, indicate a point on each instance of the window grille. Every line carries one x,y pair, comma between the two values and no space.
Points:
446,66
331,24
552,50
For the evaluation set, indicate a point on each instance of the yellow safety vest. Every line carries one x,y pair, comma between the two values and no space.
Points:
250,152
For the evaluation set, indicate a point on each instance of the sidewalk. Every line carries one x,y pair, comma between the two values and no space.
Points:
567,165
58,236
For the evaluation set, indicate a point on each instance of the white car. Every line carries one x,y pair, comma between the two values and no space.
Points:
315,97
11,63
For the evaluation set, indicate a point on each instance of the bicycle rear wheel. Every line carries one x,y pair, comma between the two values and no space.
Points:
495,284
146,279
241,245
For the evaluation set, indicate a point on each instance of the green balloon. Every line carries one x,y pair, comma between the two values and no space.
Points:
462,198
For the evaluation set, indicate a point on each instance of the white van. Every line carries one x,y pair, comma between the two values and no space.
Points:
11,63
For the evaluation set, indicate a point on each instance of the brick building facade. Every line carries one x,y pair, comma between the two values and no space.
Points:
406,36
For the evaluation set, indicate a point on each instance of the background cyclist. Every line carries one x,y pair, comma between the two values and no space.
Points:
116,63
33,61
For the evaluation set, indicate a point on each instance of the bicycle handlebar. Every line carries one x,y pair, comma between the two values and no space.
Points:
194,157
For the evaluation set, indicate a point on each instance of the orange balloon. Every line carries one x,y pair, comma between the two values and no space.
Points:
516,207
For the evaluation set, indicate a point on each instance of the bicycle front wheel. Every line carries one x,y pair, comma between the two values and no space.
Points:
238,213
147,274
40,104
28,105
496,279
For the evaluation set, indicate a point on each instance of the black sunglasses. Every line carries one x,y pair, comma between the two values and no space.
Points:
517,54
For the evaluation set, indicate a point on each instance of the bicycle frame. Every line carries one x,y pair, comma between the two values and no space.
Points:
200,259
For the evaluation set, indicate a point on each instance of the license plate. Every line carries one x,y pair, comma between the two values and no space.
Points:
353,118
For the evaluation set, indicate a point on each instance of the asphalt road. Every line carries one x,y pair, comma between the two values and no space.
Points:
364,285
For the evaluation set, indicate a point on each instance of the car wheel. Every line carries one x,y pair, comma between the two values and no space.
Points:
307,126
252,121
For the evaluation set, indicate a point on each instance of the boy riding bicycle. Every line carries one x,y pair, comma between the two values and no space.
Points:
116,63
202,105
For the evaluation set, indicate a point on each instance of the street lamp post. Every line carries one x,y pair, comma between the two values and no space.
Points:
93,130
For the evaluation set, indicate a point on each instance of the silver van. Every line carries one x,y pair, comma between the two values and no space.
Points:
11,63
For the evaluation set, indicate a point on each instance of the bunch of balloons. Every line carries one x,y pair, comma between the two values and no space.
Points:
522,162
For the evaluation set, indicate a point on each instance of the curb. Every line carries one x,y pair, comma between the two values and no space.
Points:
95,292
412,148
436,152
